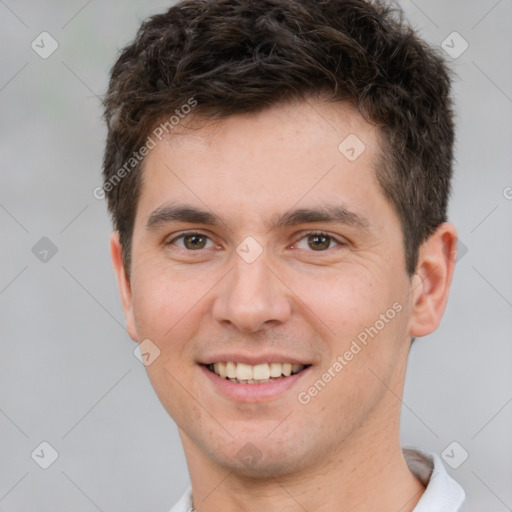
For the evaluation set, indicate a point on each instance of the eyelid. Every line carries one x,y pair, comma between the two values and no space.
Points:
340,241
183,234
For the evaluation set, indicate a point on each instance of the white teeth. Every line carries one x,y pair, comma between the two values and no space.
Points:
275,369
230,370
243,371
220,369
257,374
260,372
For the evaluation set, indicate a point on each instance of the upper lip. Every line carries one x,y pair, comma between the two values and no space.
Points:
253,359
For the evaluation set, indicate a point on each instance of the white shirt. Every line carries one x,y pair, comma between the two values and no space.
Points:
442,493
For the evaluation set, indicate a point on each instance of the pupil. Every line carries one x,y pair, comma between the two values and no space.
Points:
194,241
319,242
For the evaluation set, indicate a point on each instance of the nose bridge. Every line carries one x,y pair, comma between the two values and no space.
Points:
252,296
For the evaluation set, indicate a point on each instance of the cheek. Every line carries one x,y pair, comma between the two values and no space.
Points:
347,299
366,315
163,302
171,310
166,381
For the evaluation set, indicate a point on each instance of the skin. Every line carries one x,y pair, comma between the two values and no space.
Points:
341,451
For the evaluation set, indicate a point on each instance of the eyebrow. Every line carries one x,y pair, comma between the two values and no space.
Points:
192,215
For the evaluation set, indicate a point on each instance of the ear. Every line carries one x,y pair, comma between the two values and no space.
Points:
123,283
430,285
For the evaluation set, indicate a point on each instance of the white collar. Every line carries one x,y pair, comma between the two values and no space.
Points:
442,493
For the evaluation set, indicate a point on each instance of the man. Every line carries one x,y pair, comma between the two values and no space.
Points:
278,174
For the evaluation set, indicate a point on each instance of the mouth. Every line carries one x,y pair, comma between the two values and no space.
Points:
242,373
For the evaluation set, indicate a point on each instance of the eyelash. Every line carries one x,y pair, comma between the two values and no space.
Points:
339,242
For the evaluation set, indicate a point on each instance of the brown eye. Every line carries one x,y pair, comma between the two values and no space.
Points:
319,242
195,241
191,242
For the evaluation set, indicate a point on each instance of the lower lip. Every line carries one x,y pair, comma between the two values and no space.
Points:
253,392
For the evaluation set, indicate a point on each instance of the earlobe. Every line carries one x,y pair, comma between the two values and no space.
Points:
123,283
430,284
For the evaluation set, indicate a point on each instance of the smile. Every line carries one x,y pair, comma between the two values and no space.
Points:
242,373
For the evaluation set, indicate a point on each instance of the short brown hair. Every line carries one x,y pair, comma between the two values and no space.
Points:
239,56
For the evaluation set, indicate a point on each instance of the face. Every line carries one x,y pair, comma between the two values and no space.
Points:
260,244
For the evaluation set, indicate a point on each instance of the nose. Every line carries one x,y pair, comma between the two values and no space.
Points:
252,297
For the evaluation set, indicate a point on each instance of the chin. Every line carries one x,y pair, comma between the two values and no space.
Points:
261,460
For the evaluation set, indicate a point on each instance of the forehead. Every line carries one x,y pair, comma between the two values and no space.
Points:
260,164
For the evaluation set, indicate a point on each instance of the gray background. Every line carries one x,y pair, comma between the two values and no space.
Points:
68,375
